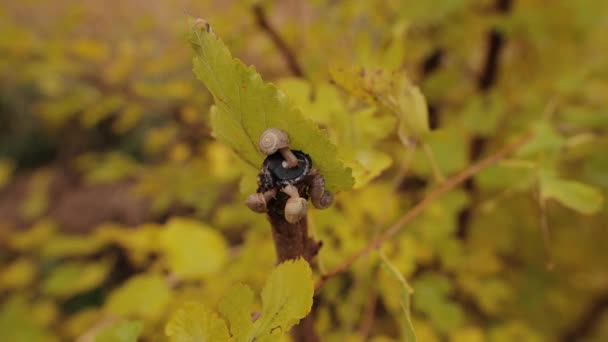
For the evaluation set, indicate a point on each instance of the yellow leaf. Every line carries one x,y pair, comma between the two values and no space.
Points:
286,299
71,278
121,331
33,238
7,167
236,307
193,322
575,195
193,250
60,246
17,274
37,199
145,295
392,91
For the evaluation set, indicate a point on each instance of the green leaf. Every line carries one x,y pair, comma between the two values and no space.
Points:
286,298
545,140
193,322
17,323
433,292
409,334
145,295
193,249
356,132
245,106
63,245
392,91
18,274
122,331
572,194
74,277
236,307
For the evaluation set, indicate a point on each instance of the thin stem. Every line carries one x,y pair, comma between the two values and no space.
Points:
544,227
439,177
286,52
369,315
444,188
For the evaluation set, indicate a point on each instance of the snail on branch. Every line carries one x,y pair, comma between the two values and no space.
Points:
296,183
273,140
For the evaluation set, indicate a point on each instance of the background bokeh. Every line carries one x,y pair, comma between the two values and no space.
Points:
116,202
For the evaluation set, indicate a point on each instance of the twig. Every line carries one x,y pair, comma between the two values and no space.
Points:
434,166
445,187
288,55
589,320
292,241
369,315
544,227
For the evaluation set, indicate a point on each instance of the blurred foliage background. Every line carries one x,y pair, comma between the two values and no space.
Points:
116,203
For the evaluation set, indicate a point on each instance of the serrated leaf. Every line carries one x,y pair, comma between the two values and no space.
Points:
286,299
145,295
192,249
121,331
392,91
572,194
356,132
409,335
193,322
236,307
245,106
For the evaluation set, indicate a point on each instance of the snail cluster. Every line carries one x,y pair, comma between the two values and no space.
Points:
286,180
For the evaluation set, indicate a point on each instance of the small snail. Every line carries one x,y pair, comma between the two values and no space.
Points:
273,140
296,206
319,197
257,202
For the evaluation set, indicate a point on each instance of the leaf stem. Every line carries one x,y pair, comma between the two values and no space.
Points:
439,177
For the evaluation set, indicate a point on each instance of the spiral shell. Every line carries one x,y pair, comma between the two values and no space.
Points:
256,202
320,198
273,139
295,209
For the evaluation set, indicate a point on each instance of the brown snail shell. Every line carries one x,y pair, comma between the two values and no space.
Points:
272,140
256,202
295,209
319,197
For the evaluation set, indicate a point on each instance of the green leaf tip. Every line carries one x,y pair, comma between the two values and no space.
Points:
245,106
577,196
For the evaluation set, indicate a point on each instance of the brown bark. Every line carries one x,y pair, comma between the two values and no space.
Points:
291,242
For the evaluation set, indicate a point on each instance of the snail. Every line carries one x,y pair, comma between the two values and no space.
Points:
273,140
319,197
257,202
296,206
